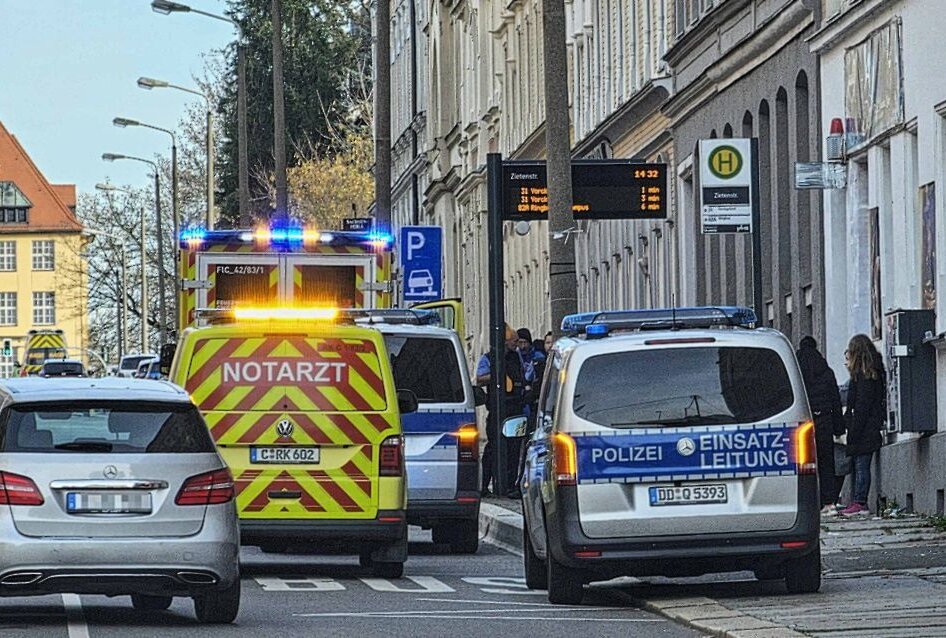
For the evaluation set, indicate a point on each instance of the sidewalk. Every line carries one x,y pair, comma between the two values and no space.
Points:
882,578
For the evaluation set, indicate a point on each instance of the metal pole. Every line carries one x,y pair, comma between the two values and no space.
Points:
242,141
562,283
279,118
177,225
497,313
757,298
159,230
118,314
382,116
211,213
126,344
144,284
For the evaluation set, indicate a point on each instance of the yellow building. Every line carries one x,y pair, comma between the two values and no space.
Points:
43,276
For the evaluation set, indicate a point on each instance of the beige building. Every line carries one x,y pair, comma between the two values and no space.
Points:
43,279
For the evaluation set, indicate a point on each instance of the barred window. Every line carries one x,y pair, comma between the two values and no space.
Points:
7,255
44,308
44,254
7,308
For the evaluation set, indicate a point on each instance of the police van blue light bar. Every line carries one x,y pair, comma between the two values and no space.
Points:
659,319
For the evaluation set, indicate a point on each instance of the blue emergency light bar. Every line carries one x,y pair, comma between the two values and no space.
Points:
659,319
284,237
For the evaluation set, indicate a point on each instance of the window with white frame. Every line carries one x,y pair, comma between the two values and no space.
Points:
44,254
7,308
7,256
7,367
44,308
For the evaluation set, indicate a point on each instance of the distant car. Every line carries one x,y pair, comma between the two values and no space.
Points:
114,487
129,363
62,368
144,369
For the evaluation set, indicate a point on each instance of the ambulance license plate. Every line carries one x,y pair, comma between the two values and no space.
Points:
688,495
108,502
298,455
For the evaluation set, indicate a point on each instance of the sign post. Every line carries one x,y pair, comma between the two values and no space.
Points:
729,198
422,262
497,317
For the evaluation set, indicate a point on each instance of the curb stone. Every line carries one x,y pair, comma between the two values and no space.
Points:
503,528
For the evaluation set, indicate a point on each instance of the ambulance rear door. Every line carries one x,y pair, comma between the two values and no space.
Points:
238,279
335,280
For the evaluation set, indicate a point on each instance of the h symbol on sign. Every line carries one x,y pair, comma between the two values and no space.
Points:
726,162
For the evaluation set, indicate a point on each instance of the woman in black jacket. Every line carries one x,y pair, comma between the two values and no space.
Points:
864,419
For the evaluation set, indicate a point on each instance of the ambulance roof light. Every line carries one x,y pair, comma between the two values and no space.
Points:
193,235
661,319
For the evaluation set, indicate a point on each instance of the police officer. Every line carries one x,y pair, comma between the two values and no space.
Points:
514,388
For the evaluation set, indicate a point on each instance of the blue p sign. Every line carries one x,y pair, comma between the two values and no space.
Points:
421,251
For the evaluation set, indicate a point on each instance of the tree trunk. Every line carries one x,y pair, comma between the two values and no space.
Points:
279,118
382,116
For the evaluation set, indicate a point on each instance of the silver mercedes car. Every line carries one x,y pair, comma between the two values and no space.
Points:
114,487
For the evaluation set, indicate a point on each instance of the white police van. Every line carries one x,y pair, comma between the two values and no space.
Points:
441,439
670,442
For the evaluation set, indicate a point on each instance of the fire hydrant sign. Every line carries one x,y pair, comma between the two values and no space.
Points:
726,185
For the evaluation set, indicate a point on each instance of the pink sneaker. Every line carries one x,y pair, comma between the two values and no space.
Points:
855,509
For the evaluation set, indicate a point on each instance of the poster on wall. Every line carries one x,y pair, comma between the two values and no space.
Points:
876,309
928,265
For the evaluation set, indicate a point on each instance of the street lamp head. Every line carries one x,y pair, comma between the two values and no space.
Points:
106,187
122,122
165,7
151,83
111,157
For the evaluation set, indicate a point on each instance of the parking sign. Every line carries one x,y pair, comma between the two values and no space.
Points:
421,252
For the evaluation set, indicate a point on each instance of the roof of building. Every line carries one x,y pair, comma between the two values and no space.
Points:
50,209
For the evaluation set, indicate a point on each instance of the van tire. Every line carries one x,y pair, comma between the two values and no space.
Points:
565,585
803,575
387,569
364,559
535,570
145,602
465,536
219,607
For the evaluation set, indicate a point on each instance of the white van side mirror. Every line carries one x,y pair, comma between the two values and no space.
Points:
515,427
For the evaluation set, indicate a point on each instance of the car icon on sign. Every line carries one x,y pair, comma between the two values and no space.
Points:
420,282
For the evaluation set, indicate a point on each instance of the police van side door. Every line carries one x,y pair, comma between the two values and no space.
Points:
536,471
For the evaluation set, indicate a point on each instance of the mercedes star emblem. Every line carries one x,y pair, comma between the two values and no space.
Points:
110,472
686,446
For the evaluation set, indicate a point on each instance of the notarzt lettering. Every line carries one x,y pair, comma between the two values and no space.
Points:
291,372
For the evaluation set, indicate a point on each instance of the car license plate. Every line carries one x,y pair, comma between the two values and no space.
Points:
300,455
108,502
688,495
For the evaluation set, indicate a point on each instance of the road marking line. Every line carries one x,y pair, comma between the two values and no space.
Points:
75,619
490,602
513,618
414,612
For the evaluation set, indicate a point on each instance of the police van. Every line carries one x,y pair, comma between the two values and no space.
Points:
670,442
441,438
304,410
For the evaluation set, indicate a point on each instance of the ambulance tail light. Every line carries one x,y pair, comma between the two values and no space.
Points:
211,488
564,459
392,456
468,443
805,454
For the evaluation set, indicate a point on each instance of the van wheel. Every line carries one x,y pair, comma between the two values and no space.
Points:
219,607
441,534
385,569
565,586
465,538
144,602
364,559
803,575
535,569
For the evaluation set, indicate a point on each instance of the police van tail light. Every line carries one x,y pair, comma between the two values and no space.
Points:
211,488
18,490
468,443
392,456
565,459
805,454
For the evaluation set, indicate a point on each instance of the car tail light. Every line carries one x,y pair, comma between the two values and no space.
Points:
210,488
18,490
392,456
468,443
805,454
564,459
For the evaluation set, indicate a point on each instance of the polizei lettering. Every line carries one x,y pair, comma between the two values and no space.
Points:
630,454
744,450
286,372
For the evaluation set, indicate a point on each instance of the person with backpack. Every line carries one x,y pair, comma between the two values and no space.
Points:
865,416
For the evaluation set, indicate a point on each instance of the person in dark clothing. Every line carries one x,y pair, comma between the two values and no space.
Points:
514,394
864,418
821,385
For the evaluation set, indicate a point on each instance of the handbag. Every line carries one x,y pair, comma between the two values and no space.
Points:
842,462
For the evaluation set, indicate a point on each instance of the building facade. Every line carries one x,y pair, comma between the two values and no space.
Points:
881,90
43,279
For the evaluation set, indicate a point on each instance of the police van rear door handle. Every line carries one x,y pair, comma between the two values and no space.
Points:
287,495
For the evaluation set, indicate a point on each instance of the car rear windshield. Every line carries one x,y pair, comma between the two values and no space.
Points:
104,426
132,363
426,366
59,369
682,386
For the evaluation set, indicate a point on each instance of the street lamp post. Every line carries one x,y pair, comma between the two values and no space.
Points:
162,305
166,7
144,280
151,83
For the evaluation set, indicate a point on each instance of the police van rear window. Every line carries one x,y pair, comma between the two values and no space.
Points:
666,387
428,367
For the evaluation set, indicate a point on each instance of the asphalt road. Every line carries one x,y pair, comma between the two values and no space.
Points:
288,595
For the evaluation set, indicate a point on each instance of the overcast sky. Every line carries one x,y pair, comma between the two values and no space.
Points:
69,66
